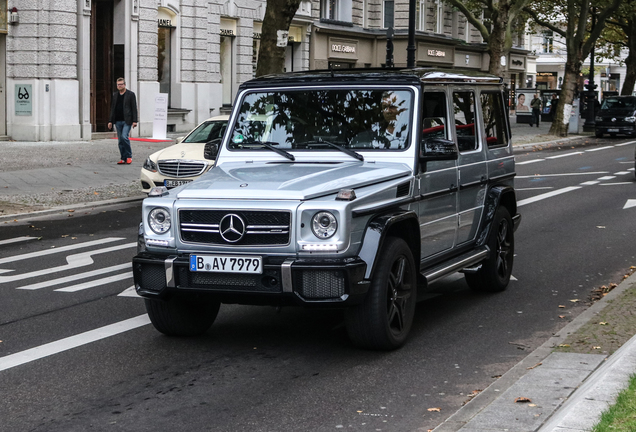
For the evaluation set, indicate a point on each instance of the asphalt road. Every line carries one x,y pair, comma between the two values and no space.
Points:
259,369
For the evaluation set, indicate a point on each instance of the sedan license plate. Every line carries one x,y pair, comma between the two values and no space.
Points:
175,183
226,264
612,130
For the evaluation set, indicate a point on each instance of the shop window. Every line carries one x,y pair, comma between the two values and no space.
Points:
464,109
492,107
226,69
164,59
388,13
431,16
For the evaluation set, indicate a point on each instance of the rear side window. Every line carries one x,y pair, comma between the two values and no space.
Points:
492,108
464,109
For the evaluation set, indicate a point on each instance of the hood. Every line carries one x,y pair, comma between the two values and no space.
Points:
296,181
185,151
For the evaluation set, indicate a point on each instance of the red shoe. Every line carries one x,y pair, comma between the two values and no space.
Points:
121,162
129,161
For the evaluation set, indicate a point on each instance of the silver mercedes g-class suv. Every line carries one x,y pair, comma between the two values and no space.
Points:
352,189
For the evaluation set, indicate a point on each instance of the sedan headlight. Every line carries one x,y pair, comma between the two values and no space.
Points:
630,119
159,220
150,165
324,225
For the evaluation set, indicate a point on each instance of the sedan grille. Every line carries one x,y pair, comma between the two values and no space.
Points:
181,168
246,228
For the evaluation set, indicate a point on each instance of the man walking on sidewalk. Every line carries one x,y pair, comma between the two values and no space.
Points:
123,112
535,104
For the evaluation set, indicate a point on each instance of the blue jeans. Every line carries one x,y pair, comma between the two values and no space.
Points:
123,130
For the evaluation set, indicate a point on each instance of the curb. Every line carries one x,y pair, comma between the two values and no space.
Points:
66,208
473,408
557,141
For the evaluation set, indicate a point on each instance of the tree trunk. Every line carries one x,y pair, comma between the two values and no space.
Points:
498,37
630,61
561,122
278,17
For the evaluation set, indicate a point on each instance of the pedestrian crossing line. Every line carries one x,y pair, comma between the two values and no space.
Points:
75,277
564,155
96,282
606,178
547,195
622,173
590,183
529,162
599,148
74,261
616,184
16,240
59,249
56,347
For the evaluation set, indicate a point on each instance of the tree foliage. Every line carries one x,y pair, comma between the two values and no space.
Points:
620,34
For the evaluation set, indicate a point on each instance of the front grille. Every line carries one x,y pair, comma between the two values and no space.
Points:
269,281
151,277
180,168
260,227
320,284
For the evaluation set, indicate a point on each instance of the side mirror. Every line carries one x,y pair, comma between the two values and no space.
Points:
178,140
438,149
211,149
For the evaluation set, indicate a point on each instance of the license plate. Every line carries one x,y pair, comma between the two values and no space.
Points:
175,183
613,130
226,264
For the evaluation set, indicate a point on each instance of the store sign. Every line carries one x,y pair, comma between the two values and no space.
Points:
227,32
164,23
436,53
23,103
517,62
160,119
343,49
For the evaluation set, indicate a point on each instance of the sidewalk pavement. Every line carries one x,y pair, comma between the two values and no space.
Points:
568,391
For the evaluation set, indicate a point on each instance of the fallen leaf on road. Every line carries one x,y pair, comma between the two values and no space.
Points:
564,346
95,193
523,400
600,226
574,300
538,364
64,235
434,409
603,323
70,211
561,306
597,347
561,316
532,405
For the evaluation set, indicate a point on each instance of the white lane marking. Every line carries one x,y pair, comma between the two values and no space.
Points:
622,173
75,277
529,162
606,178
631,169
590,183
74,261
96,282
537,188
564,155
27,356
58,250
16,240
600,148
547,195
630,203
615,184
129,292
561,175
627,143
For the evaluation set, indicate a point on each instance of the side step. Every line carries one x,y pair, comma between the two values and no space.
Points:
456,264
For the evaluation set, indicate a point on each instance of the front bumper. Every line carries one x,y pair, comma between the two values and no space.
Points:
609,128
283,281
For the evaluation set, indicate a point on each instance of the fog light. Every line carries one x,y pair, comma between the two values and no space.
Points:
325,247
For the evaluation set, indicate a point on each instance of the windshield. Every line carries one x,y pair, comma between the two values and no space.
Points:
619,103
323,119
207,131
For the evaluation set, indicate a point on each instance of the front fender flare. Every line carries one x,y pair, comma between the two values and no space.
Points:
497,196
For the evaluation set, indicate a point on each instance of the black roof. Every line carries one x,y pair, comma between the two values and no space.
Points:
375,76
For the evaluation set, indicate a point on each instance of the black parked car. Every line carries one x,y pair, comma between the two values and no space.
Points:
616,116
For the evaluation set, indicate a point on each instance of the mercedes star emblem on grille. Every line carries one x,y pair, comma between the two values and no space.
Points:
232,228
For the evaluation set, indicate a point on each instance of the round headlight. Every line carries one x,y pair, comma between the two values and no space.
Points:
159,220
324,225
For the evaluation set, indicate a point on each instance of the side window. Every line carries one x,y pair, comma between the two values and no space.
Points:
464,109
494,123
434,119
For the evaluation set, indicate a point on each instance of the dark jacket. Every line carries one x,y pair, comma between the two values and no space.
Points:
130,107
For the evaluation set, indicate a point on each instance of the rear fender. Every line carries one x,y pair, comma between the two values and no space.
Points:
497,196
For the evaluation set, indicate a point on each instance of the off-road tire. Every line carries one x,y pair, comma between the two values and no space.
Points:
181,317
384,319
494,274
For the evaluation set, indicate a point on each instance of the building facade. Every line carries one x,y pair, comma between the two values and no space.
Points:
67,54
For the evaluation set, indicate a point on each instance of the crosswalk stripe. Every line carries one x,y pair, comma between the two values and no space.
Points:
75,277
74,261
96,282
16,240
58,250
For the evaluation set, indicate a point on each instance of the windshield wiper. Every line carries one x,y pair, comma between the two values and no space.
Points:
268,145
352,153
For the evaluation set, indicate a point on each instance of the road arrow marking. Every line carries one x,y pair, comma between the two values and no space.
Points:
59,249
629,203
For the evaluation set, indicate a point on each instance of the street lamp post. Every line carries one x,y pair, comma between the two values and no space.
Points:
410,49
590,94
